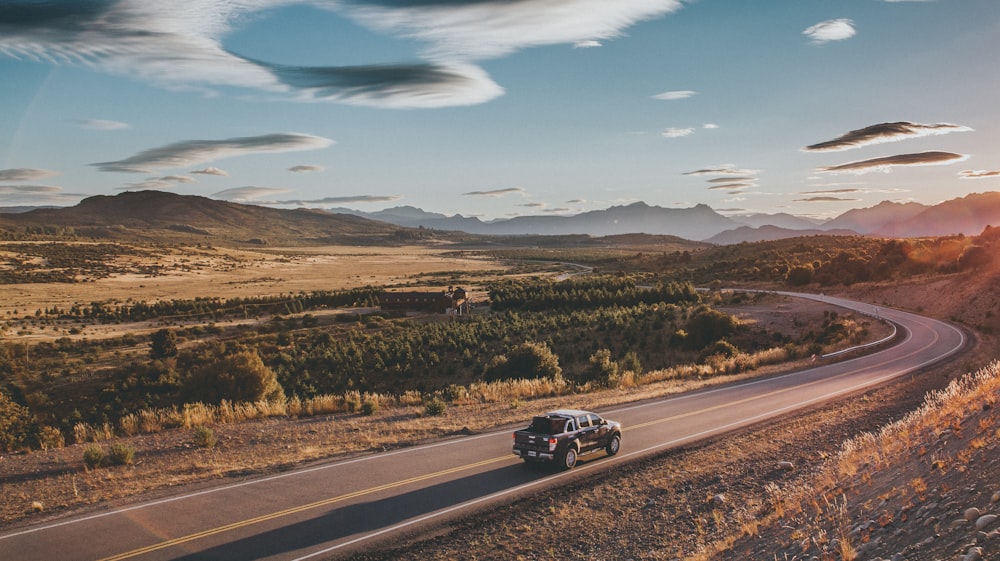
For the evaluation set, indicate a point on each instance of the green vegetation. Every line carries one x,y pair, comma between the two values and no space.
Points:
539,336
502,355
204,437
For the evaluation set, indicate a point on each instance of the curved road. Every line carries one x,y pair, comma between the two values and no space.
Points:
333,509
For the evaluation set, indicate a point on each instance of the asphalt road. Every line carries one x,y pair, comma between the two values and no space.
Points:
333,509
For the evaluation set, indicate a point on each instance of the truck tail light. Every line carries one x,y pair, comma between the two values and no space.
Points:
552,444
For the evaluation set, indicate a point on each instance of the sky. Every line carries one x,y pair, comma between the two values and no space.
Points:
502,108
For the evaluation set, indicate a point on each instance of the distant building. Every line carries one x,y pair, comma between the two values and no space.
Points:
437,302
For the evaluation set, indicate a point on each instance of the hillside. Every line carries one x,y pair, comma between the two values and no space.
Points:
159,216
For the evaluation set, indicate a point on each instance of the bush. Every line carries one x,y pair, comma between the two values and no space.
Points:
204,437
239,377
369,406
525,361
50,437
435,407
93,456
121,454
17,425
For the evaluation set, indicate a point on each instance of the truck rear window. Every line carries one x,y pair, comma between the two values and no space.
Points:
547,425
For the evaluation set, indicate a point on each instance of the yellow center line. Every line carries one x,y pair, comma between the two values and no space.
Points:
296,509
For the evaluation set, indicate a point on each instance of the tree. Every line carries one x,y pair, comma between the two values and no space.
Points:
239,377
799,275
525,361
707,325
163,344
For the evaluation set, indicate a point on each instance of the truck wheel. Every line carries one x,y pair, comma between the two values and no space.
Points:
569,458
614,445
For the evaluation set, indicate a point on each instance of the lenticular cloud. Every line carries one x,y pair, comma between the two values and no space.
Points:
882,133
180,43
933,158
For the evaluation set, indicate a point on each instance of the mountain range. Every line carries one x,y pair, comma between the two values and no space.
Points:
164,215
967,215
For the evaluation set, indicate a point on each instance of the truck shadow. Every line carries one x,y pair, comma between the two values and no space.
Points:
326,526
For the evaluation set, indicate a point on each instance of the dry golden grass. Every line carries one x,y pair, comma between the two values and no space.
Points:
187,273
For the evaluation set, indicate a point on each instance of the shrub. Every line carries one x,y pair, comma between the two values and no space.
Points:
204,437
525,361
239,377
369,406
435,407
121,454
50,437
93,456
17,425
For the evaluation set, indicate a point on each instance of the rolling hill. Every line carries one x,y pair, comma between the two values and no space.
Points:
163,216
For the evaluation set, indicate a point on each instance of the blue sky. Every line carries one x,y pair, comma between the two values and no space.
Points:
499,108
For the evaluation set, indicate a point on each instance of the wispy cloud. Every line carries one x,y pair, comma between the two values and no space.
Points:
181,44
249,193
212,171
710,126
25,174
103,125
29,189
724,170
36,195
676,132
882,133
833,191
731,186
674,95
347,199
978,174
933,158
495,192
825,199
830,30
305,169
728,179
193,152
588,44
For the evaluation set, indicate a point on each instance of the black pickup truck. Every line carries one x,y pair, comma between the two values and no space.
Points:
564,435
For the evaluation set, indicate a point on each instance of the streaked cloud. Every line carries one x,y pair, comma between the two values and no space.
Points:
495,192
933,158
834,191
676,132
674,95
882,133
193,152
724,170
710,126
37,195
730,179
181,44
249,193
211,171
830,30
305,169
25,174
825,199
347,199
589,44
103,125
29,189
734,185
978,174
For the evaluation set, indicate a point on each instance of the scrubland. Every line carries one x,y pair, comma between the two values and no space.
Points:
886,474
